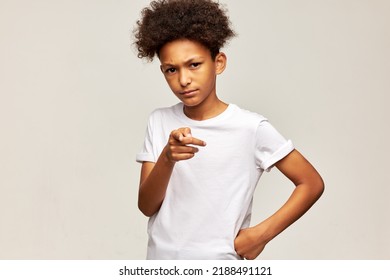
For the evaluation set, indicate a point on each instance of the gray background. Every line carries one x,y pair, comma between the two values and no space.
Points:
74,101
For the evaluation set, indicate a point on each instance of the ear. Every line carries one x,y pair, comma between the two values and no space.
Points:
220,63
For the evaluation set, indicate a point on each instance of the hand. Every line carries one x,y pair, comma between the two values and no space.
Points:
248,243
178,145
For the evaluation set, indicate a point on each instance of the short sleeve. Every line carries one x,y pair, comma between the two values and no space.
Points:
271,146
146,154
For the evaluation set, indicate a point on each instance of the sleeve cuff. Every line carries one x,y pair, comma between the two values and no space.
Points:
283,151
142,157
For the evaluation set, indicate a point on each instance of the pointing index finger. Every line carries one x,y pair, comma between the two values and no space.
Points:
193,141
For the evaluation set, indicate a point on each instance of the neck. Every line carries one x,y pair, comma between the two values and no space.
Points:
205,111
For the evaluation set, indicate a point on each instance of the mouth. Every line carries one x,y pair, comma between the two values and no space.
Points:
188,92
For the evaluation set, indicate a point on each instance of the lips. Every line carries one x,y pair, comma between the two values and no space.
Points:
188,92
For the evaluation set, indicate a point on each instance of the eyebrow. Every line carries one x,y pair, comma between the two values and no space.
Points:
185,62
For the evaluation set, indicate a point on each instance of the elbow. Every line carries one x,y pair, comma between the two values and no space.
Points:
148,204
143,205
144,210
314,187
147,214
318,187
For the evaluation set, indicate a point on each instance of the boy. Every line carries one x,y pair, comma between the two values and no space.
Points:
199,196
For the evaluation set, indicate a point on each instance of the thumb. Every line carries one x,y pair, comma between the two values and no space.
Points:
187,132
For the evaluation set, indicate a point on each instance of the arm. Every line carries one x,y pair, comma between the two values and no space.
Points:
250,242
155,176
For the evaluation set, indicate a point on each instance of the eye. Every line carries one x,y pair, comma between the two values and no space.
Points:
195,65
170,70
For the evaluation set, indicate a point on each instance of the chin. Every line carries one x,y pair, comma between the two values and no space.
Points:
190,104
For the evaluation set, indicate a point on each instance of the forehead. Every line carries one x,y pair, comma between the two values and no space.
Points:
182,50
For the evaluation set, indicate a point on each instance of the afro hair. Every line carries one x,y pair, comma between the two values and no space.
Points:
203,21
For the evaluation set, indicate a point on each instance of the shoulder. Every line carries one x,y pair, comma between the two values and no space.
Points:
248,117
164,112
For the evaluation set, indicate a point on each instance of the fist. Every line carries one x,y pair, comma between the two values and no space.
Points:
181,145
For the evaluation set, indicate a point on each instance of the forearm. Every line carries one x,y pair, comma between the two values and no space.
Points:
153,188
155,177
309,186
300,201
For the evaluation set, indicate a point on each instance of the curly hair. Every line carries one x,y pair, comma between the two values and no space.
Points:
204,21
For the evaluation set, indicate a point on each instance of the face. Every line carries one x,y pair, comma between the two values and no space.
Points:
191,72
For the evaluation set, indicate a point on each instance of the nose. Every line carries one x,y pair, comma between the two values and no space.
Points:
184,78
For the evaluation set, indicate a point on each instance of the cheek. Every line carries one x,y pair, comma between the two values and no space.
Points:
170,82
209,79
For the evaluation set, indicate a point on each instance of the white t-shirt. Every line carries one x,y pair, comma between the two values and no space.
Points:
209,197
